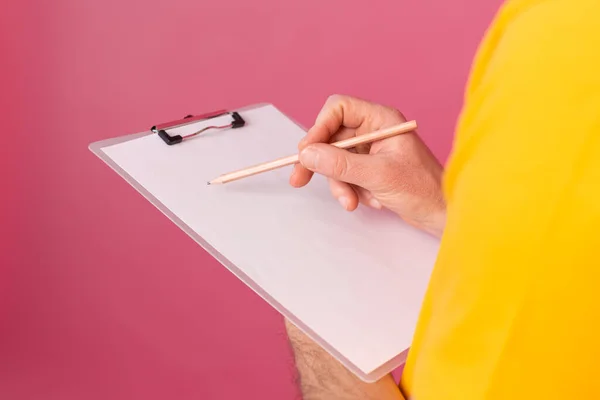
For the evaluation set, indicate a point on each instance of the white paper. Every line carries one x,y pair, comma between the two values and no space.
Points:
355,279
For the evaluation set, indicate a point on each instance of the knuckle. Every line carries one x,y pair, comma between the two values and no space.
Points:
337,101
398,115
334,98
391,115
386,115
343,102
340,167
332,112
328,108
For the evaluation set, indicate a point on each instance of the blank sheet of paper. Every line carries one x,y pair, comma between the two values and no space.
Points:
353,281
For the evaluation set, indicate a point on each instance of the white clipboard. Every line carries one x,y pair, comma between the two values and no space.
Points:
353,282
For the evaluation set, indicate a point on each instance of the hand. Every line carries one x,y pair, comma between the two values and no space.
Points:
399,173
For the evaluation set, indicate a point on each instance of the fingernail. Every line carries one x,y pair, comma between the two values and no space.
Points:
375,203
302,143
344,202
309,158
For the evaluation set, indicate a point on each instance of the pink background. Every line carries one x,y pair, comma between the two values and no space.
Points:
101,297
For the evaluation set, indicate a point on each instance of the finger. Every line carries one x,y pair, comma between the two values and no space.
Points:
346,133
357,169
318,133
366,197
344,193
342,134
338,112
300,175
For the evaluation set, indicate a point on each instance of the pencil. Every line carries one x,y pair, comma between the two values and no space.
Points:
294,159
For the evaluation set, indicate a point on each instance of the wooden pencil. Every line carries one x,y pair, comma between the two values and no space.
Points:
293,159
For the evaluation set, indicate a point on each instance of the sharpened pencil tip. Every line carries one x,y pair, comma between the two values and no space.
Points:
208,183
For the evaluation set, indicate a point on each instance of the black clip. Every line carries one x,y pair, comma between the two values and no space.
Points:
161,130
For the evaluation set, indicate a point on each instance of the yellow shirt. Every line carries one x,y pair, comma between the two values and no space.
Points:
513,307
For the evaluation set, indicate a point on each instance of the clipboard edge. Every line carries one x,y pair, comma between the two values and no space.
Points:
366,376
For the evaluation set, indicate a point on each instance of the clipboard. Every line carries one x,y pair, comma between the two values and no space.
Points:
359,299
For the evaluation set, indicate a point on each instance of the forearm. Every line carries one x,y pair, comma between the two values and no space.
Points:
322,377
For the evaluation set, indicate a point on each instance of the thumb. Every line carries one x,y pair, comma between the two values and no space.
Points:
341,165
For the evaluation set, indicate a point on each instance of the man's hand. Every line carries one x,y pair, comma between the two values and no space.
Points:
398,173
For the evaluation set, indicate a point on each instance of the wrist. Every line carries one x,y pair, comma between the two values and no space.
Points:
429,217
436,223
435,212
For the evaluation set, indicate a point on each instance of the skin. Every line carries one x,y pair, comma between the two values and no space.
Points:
400,174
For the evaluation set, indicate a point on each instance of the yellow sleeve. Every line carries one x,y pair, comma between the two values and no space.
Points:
513,306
